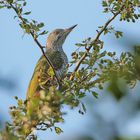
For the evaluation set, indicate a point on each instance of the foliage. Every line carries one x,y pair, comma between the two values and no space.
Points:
94,67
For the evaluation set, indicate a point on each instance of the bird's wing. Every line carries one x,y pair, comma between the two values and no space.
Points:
34,82
41,76
42,79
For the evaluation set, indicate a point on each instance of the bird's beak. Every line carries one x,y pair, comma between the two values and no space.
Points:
68,30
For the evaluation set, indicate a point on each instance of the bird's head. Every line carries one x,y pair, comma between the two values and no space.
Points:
56,38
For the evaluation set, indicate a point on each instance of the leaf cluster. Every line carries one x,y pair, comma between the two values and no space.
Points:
28,26
129,12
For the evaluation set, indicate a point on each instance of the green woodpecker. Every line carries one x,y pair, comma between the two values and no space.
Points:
41,78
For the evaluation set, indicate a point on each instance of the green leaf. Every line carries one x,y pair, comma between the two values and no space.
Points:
100,86
58,130
50,72
81,95
40,25
27,13
95,94
25,20
80,44
24,4
19,10
10,1
1,7
104,3
20,102
118,34
110,1
15,17
43,33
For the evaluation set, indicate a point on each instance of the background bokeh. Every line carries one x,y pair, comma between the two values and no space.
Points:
106,117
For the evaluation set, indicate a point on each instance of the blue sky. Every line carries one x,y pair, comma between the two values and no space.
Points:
18,55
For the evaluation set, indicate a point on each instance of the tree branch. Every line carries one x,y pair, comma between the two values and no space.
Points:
39,45
94,41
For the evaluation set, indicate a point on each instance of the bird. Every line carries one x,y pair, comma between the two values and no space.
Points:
41,78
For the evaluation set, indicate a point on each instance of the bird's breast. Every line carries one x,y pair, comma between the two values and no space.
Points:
60,71
59,60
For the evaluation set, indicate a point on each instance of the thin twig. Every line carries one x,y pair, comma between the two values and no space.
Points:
40,46
94,41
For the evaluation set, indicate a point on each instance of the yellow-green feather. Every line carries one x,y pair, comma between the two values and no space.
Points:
40,78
